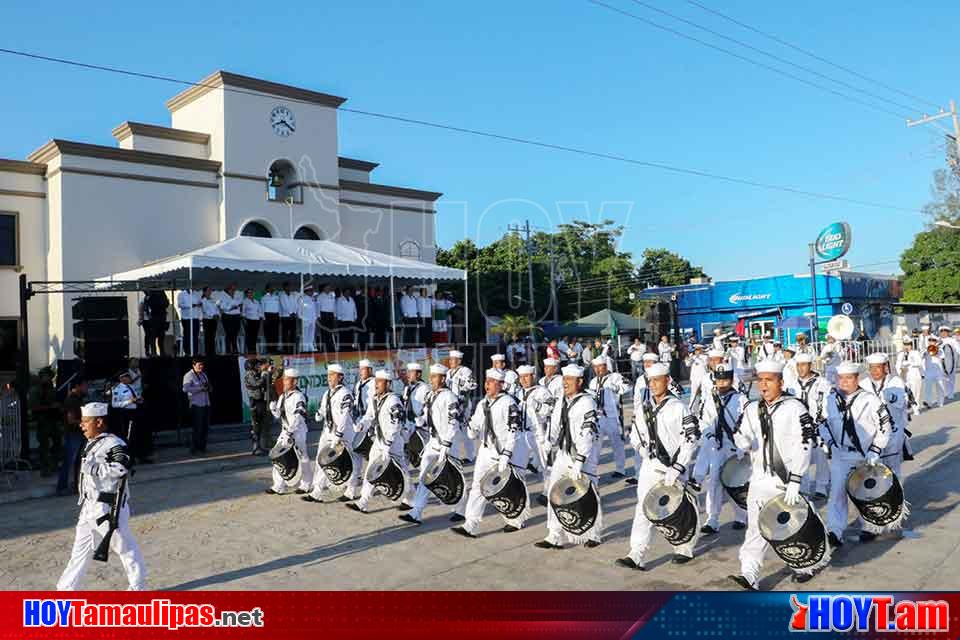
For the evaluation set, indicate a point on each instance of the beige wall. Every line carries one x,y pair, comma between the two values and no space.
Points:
141,142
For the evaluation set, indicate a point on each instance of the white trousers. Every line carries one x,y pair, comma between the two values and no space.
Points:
707,472
306,466
308,335
950,385
611,428
816,479
366,492
322,483
641,533
555,531
539,458
487,458
122,544
837,504
754,545
934,390
422,494
914,382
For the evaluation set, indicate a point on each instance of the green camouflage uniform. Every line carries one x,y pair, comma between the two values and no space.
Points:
47,420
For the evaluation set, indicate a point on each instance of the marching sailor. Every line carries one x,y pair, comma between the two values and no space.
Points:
575,438
814,390
830,354
766,349
716,361
551,379
640,386
414,396
335,417
891,390
857,429
536,405
385,416
697,364
949,350
737,355
778,432
496,422
721,413
442,418
665,434
803,346
363,389
934,378
461,381
910,368
511,381
607,388
104,505
291,408
718,336
789,368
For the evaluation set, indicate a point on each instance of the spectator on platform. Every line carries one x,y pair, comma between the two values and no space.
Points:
252,315
409,316
153,319
271,318
288,318
188,305
231,310
346,320
327,309
210,316
197,386
425,317
307,312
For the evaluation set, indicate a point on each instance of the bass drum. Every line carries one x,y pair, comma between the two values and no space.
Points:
673,511
362,443
286,460
445,480
385,474
796,533
336,462
575,503
878,496
505,490
735,478
414,449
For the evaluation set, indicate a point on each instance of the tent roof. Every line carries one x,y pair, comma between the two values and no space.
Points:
605,317
220,262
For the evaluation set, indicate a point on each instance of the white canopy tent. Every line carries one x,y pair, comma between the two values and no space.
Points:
258,260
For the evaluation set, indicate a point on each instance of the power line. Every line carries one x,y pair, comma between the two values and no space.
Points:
734,54
496,136
811,54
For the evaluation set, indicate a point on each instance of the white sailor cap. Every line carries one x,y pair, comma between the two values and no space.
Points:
877,358
717,330
364,364
414,366
335,368
291,372
550,362
598,361
698,346
456,354
495,374
804,358
734,338
770,366
944,328
526,370
383,374
657,370
497,357
847,368
438,370
933,339
716,353
93,410
791,348
907,340
650,357
572,371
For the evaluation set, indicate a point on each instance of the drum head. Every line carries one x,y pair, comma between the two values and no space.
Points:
330,452
376,468
567,491
867,484
493,482
779,521
662,501
431,473
736,473
279,449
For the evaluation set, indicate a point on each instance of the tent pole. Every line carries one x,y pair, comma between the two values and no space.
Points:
466,308
192,310
393,314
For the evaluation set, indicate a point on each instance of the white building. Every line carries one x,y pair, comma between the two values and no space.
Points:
239,155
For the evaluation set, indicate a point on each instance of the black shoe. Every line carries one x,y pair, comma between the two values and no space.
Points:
743,582
819,495
193,451
468,461
834,541
546,544
680,559
707,530
355,507
345,499
406,517
457,518
591,544
271,492
739,526
631,480
542,500
460,531
510,528
309,498
866,536
616,475
300,492
629,564
800,578
404,507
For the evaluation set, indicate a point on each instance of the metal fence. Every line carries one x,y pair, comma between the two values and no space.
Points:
857,351
10,461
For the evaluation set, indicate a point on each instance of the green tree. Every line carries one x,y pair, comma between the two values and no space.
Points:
931,265
663,268
510,326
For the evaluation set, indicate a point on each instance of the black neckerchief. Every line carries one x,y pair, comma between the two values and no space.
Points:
361,407
654,445
566,442
428,409
329,406
883,383
408,399
845,405
488,430
721,402
772,462
377,405
600,394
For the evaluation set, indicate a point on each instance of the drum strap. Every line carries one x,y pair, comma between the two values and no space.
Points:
408,392
328,409
378,404
849,428
772,462
654,445
723,427
489,434
360,407
600,394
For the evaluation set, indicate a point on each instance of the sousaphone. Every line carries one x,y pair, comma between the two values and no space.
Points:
840,327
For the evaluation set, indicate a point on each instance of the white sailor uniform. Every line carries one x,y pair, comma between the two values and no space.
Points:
554,385
444,424
536,405
910,367
104,463
721,413
894,395
814,391
461,381
291,408
607,389
335,416
385,416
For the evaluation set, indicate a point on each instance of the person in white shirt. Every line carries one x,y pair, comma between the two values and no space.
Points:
607,389
564,348
718,337
511,381
933,375
665,350
737,355
210,315
441,316
288,318
231,301
789,368
910,368
271,318
188,305
949,351
576,352
766,349
409,313
346,319
425,317
635,351
252,315
696,362
830,354
307,312
327,308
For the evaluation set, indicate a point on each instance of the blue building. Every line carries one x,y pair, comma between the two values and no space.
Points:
782,305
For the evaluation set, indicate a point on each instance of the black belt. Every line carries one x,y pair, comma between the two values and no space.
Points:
105,497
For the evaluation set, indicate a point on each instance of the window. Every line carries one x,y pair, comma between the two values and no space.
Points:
9,344
256,230
307,233
8,240
409,249
283,184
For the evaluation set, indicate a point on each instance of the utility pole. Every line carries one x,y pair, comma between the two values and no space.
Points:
528,246
953,159
554,276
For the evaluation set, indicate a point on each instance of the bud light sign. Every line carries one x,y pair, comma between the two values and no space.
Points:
834,241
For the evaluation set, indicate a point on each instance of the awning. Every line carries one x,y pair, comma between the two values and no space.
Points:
220,263
762,312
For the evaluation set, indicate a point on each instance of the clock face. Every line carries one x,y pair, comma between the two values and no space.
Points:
282,121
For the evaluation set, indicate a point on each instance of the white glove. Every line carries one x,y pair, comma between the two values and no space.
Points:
273,406
576,470
285,438
792,494
503,463
444,450
670,477
873,458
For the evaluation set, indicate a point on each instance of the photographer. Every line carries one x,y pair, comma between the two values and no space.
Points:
257,381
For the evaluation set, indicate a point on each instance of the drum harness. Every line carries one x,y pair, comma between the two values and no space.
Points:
360,407
301,408
566,437
653,444
428,411
845,406
772,462
723,427
489,434
328,410
378,430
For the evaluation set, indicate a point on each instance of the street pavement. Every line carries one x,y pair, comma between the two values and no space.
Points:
207,524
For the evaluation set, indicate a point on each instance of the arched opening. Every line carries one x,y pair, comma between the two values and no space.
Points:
282,183
410,249
307,233
256,230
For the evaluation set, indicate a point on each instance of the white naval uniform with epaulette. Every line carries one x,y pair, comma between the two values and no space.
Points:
697,364
291,408
335,417
414,396
363,392
307,312
738,358
104,462
385,416
857,424
665,434
536,404
765,351
894,395
779,436
934,379
444,425
716,447
813,391
606,390
496,424
910,368
699,394
575,437
461,381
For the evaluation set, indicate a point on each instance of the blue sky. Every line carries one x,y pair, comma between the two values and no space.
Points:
565,72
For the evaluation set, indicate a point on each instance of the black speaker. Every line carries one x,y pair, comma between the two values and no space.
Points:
104,308
100,329
90,350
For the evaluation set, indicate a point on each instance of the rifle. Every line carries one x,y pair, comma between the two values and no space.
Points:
113,517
